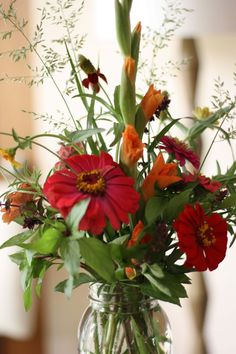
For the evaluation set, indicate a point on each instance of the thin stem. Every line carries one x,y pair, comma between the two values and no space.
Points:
212,142
74,54
10,173
43,63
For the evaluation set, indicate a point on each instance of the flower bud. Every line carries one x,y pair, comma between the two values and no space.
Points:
132,147
86,65
129,68
130,272
127,91
123,32
135,42
151,101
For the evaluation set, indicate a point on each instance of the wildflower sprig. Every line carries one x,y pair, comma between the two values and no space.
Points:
132,208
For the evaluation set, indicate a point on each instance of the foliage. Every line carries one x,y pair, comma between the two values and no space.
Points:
113,208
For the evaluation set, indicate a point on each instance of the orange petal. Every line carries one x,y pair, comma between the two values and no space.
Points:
164,174
132,147
151,101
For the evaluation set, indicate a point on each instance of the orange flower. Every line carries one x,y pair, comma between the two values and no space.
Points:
9,155
135,235
130,67
151,101
15,202
132,147
164,174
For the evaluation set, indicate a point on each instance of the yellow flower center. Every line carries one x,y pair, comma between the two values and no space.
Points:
91,182
205,234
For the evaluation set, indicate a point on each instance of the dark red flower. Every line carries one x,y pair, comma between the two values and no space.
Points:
206,182
180,150
92,74
100,179
202,237
93,79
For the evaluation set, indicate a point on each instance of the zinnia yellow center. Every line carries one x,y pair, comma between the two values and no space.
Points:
205,234
91,182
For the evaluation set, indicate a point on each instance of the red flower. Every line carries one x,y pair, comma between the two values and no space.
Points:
180,150
203,238
207,183
100,179
92,80
92,74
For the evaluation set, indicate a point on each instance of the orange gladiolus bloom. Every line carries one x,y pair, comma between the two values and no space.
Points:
164,174
132,147
16,201
130,67
135,234
151,101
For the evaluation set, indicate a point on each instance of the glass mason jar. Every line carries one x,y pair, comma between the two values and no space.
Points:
121,320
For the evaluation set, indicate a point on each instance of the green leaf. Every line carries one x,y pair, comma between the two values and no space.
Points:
176,204
96,255
70,252
149,290
76,214
154,208
27,296
228,202
156,283
47,243
40,279
17,240
120,240
161,134
18,257
82,135
69,286
81,278
156,270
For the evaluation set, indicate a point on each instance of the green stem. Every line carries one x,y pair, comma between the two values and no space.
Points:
96,336
212,142
110,333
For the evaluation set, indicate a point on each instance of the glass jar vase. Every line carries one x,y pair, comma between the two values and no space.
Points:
121,320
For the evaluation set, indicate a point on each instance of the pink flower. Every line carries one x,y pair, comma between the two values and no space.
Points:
100,179
180,150
66,151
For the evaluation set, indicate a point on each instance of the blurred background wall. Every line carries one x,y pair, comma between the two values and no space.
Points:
209,315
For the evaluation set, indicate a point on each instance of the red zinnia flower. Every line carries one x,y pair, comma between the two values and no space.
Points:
180,150
100,179
203,238
207,183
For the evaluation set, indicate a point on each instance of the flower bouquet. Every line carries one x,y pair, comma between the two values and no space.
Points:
132,217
